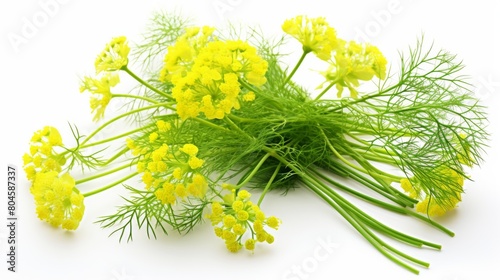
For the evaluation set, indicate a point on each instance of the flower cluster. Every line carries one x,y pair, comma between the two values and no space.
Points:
170,171
57,199
180,56
237,215
101,92
42,157
114,56
354,62
349,62
315,35
207,74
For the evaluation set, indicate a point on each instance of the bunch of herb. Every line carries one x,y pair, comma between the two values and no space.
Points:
215,114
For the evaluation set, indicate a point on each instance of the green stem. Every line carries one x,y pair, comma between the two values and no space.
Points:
397,252
370,155
110,185
148,85
375,186
228,120
115,137
269,183
357,225
134,97
337,154
368,220
117,155
301,59
122,116
339,206
93,177
248,86
326,90
254,171
385,205
373,171
209,124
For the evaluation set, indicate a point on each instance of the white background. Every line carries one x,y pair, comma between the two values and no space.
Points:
39,86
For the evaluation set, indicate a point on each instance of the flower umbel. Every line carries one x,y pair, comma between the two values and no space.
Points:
114,56
315,35
57,200
101,92
354,62
212,85
237,216
42,156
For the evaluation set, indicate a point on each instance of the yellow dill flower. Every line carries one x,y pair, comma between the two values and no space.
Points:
178,173
42,156
189,149
57,200
163,166
163,126
179,57
314,34
231,222
354,62
244,195
198,186
407,186
181,191
249,96
250,244
101,92
273,222
212,84
153,136
148,179
195,162
114,56
166,194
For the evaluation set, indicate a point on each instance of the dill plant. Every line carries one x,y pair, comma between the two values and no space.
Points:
215,114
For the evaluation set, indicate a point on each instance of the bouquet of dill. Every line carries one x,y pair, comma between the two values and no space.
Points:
221,114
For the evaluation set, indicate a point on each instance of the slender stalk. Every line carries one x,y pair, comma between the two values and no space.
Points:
362,230
110,185
368,220
116,156
254,171
228,120
115,137
96,176
269,183
148,85
248,86
326,90
375,186
340,206
209,124
301,59
166,105
134,97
